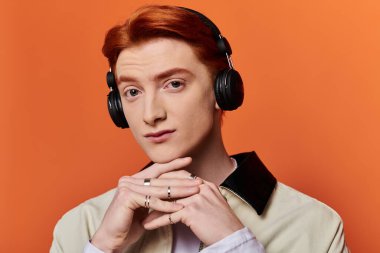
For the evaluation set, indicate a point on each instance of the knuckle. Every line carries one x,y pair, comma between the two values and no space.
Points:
122,179
153,202
121,188
164,192
198,180
125,180
205,189
124,193
213,186
123,184
203,186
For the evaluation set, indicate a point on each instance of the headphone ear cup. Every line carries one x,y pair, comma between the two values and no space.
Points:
229,90
111,80
115,109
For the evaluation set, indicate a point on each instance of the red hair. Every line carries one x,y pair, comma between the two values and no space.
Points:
157,21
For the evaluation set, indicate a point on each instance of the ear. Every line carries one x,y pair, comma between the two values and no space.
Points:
217,106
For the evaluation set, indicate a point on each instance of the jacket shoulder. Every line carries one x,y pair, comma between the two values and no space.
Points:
290,200
304,222
78,225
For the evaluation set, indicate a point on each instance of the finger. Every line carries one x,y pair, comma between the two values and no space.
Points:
186,201
163,206
206,192
162,219
214,188
154,203
210,185
164,181
152,216
208,195
159,168
163,192
176,174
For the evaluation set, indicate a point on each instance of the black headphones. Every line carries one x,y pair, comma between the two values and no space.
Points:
228,87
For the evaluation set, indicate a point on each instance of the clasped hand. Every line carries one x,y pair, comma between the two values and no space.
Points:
173,197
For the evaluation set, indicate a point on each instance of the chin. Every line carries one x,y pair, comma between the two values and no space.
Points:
164,155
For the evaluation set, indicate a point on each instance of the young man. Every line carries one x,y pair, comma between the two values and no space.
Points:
171,78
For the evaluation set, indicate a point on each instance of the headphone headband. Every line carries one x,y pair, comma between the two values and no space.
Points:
222,42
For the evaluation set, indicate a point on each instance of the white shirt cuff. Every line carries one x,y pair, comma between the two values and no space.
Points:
90,248
241,241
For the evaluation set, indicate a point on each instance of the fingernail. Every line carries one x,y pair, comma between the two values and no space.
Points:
199,180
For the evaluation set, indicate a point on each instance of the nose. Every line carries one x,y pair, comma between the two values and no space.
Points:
154,110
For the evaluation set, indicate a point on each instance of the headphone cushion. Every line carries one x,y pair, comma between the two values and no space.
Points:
229,91
115,109
111,80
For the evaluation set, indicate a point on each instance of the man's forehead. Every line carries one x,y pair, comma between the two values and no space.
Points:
156,47
156,56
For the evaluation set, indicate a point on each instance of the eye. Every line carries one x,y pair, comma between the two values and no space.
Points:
131,93
174,85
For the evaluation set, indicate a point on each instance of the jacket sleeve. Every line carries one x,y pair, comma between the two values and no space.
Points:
89,248
338,244
71,233
242,241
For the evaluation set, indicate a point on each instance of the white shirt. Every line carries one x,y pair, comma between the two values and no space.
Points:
241,241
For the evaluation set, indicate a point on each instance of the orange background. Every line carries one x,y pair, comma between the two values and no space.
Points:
311,72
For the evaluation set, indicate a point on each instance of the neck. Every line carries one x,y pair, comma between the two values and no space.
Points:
211,162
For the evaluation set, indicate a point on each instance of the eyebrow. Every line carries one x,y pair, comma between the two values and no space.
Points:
160,76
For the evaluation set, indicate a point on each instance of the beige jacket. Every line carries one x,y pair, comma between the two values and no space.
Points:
281,218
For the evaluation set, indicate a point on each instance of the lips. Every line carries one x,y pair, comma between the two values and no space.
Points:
160,136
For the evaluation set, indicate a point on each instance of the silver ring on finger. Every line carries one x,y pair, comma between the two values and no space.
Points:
192,176
147,181
169,191
147,201
170,219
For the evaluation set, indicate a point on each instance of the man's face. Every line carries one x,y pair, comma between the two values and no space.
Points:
168,98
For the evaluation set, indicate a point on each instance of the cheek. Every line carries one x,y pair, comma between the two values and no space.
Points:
195,115
191,110
132,112
134,122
